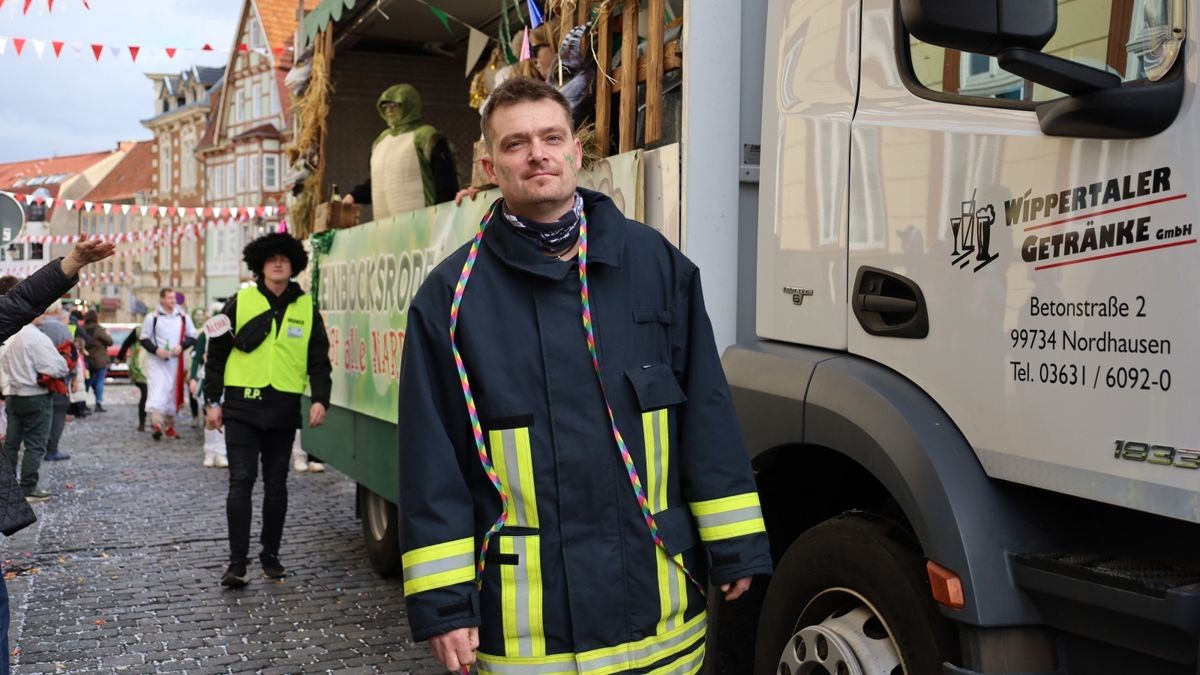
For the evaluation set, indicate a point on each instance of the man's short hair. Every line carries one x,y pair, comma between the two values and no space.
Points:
516,90
162,292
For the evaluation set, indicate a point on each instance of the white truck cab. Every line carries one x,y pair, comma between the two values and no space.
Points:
971,388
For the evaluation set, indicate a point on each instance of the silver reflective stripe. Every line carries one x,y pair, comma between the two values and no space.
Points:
728,517
657,503
674,592
648,651
486,665
420,570
524,634
512,467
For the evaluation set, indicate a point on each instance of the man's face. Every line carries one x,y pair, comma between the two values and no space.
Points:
393,111
533,156
277,269
168,301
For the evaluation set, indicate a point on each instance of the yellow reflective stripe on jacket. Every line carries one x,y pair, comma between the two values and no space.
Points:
281,360
672,588
438,566
684,665
728,517
513,458
616,659
521,596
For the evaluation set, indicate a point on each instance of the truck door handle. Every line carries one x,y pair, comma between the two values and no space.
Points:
889,305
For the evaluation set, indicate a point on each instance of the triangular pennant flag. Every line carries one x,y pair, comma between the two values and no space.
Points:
77,47
270,211
171,211
535,14
133,51
278,51
107,208
125,209
29,199
525,56
70,204
259,211
477,42
87,206
3,44
39,47
97,50
162,211
57,45
49,202
49,5
143,209
441,16
243,48
27,4
206,48
170,52
39,199
115,51
18,44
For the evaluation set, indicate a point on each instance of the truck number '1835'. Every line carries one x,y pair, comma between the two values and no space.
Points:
1165,455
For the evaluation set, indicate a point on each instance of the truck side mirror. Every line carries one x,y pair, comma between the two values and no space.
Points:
981,26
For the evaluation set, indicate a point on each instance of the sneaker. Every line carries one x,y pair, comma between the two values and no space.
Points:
299,465
99,408
157,435
235,576
171,433
35,495
209,460
222,462
315,467
272,568
56,456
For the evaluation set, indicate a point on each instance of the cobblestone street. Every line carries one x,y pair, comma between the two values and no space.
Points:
120,573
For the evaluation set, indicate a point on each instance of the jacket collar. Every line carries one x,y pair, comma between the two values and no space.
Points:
606,240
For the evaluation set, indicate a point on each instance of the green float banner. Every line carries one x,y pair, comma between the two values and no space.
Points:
373,271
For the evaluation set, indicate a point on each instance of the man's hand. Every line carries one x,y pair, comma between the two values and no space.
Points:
193,386
316,415
348,199
87,251
456,648
162,353
465,193
734,591
212,415
176,350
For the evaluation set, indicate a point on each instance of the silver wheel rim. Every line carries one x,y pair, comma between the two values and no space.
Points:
841,633
377,516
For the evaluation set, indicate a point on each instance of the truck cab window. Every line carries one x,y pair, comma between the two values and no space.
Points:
1129,38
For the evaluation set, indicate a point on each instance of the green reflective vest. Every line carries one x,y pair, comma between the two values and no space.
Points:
281,361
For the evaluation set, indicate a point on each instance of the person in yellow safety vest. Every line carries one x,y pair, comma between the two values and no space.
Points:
259,361
572,474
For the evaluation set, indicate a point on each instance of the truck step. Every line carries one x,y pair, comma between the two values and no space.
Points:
1149,577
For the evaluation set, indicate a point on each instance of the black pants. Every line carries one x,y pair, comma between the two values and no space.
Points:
58,421
141,403
246,444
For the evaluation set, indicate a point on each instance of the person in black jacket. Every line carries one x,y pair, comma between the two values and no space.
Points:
18,307
257,368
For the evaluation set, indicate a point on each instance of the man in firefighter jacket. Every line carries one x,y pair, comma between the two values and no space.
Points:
272,343
572,472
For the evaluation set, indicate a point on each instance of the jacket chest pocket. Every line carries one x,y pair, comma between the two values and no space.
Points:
651,334
517,559
658,394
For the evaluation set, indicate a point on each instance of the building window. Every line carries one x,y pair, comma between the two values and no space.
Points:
271,173
245,97
255,172
229,192
256,99
241,174
253,35
37,251
274,98
187,157
164,167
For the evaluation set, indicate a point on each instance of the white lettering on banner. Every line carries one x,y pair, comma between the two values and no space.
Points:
384,283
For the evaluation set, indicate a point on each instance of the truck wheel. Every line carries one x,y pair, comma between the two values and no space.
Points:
381,533
850,597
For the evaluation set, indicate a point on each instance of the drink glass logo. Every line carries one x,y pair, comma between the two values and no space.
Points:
972,230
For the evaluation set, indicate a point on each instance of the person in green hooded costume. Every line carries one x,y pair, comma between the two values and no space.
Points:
411,163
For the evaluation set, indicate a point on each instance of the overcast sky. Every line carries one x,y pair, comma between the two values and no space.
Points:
74,104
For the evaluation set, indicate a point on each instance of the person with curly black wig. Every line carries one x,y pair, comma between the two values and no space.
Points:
268,343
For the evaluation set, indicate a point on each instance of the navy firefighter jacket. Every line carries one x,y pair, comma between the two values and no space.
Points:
574,581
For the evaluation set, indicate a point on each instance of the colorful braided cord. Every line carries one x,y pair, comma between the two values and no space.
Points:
634,480
476,426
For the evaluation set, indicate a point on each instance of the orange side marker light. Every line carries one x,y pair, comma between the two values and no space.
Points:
946,586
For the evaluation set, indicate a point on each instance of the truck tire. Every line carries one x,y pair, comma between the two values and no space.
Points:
851,596
381,533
